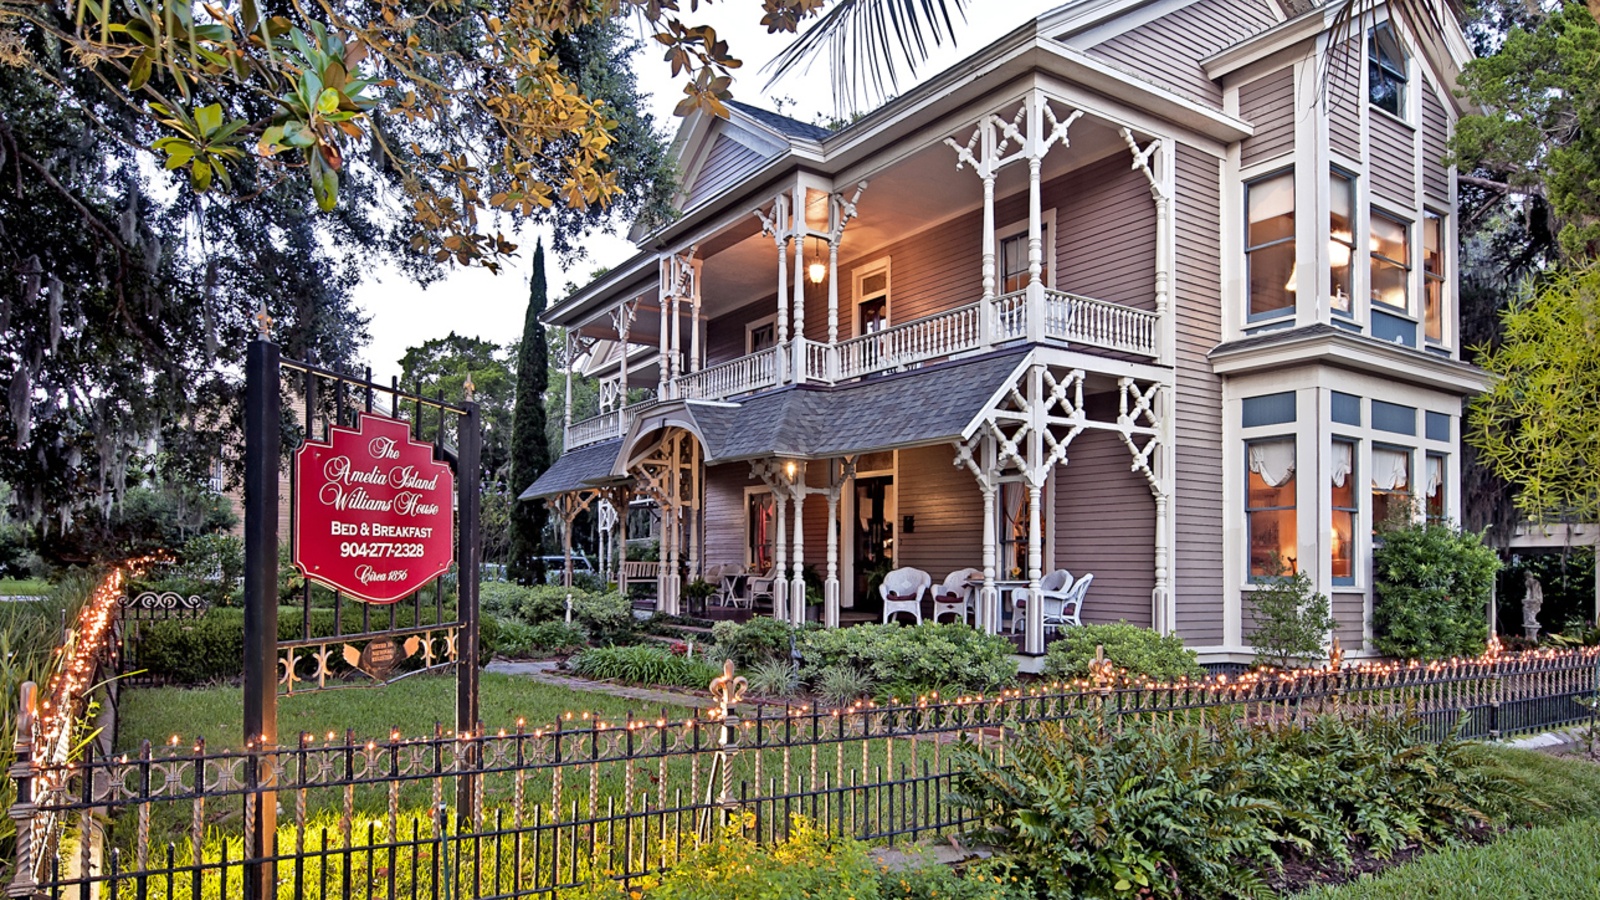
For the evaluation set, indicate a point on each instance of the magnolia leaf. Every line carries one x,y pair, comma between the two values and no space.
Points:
328,101
209,118
139,72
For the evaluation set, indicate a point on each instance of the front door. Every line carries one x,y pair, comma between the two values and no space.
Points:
873,526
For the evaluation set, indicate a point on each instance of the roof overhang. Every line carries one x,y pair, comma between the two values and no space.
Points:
1334,346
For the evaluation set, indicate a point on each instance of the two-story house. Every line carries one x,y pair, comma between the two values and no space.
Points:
1161,290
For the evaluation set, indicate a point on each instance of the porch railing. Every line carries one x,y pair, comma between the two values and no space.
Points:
739,376
1097,323
595,429
934,337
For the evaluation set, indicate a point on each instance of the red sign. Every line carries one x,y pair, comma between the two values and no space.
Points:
372,511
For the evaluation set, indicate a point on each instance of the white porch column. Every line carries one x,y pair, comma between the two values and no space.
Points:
780,558
624,325
830,587
694,327
986,323
800,230
662,329
989,613
797,585
833,290
1035,229
566,416
1160,601
675,355
1033,641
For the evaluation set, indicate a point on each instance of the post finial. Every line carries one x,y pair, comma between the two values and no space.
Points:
264,322
470,388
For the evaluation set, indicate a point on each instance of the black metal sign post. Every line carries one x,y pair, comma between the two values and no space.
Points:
262,443
371,639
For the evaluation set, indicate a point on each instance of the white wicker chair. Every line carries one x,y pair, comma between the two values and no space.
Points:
1067,608
761,586
1052,585
902,592
953,595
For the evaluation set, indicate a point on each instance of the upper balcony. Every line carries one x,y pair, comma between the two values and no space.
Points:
1063,319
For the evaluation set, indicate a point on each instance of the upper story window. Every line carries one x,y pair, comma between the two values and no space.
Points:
872,307
1269,244
1386,70
761,335
1341,238
1391,261
1012,250
1433,277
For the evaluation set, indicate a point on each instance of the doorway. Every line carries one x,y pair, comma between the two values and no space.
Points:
873,527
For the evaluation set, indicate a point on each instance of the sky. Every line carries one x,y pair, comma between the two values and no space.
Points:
476,303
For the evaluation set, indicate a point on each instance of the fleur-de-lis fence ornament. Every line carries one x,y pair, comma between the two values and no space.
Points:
727,690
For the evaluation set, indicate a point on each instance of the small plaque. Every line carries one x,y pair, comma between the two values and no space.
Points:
378,658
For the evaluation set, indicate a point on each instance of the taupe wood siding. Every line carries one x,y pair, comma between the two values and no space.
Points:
1345,102
1435,131
1105,248
1168,50
1349,610
1106,233
727,161
1105,524
948,508
1392,159
1268,104
1198,492
725,525
725,335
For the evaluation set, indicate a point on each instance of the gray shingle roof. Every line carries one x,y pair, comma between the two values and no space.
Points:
781,123
575,469
908,409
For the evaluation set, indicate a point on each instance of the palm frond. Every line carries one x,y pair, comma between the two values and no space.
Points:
868,42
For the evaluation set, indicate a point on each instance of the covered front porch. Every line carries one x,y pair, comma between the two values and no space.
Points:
1014,464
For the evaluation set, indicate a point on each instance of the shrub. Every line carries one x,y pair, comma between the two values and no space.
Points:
930,655
1141,651
1163,810
548,602
1432,584
608,618
756,641
841,685
773,678
643,664
519,640
809,864
1292,619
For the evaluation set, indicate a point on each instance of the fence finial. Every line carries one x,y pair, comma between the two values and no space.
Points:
1335,655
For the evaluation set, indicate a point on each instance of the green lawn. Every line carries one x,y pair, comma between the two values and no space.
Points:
24,587
1536,864
412,705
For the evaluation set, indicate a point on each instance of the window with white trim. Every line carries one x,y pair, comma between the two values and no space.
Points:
1270,506
1433,488
761,334
1433,276
1386,70
760,530
1346,512
1341,239
1011,254
1269,245
1391,261
1391,486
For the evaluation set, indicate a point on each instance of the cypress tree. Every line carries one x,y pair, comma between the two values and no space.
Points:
530,448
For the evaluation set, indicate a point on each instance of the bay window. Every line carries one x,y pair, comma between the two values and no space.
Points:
1391,486
1270,507
1269,244
1391,261
1342,533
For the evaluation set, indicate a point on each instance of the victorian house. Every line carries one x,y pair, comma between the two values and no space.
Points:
1161,290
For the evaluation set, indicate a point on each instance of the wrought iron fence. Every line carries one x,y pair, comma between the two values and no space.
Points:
582,799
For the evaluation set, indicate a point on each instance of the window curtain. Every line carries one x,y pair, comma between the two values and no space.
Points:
1343,462
1389,469
1435,474
1273,461
1012,496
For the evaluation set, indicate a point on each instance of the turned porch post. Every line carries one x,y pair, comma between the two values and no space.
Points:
780,558
797,585
1033,641
830,587
798,348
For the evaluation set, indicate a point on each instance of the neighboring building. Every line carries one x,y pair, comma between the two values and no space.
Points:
1144,289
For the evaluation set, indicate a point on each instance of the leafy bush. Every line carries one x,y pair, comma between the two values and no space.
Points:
548,602
841,685
1162,810
1141,651
773,678
930,654
1292,619
608,618
1432,585
519,640
643,664
756,641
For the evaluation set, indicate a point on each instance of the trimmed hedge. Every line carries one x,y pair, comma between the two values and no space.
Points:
211,648
927,656
1140,651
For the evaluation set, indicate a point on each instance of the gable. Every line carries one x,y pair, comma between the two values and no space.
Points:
724,163
1167,48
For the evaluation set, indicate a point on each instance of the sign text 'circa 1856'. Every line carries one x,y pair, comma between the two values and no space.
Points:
372,511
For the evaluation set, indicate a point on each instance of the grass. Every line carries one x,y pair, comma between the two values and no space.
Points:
24,587
411,705
1535,864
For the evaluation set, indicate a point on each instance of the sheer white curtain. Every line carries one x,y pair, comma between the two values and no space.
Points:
1390,469
1435,474
1343,462
1273,461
